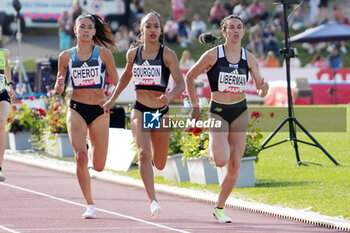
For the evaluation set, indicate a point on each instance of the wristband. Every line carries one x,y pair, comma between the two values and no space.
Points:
10,83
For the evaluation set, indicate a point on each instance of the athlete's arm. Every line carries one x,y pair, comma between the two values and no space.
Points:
261,86
108,59
171,61
205,62
62,70
8,77
124,80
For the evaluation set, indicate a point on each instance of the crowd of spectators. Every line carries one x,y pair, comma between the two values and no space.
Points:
260,22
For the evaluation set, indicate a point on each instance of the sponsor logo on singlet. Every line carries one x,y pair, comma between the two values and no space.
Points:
232,82
147,74
86,75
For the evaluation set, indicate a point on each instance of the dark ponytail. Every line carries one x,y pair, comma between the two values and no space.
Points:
104,36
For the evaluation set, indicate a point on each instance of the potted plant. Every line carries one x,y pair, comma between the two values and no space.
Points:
20,125
38,114
195,146
55,132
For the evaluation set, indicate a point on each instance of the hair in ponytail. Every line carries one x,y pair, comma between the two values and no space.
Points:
139,39
103,36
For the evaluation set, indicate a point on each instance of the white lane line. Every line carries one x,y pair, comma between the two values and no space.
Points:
8,229
101,210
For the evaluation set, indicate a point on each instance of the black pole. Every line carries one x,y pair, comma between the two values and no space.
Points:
289,53
287,57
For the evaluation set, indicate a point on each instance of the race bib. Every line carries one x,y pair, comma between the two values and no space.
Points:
2,82
231,82
147,75
85,76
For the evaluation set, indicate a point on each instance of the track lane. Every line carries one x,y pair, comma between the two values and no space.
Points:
41,200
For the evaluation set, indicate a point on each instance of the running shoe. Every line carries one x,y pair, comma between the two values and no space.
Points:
92,172
155,209
219,214
90,212
2,176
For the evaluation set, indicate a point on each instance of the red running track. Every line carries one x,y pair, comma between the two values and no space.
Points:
39,200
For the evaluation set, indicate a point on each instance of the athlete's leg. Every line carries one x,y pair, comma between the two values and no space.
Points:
98,135
77,130
237,141
142,140
4,113
160,146
219,148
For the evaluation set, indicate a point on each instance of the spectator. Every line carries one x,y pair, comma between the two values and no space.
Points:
278,18
271,60
64,30
242,10
256,43
313,9
270,40
229,6
217,13
184,32
179,9
297,22
311,63
314,47
257,11
132,16
186,61
261,60
335,60
338,15
321,13
171,30
140,9
122,38
320,62
198,26
75,11
135,31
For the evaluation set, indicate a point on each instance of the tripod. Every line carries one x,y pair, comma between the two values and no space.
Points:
19,68
291,120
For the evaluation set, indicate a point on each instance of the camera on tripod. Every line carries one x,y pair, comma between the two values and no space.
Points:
19,68
291,119
17,5
291,52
